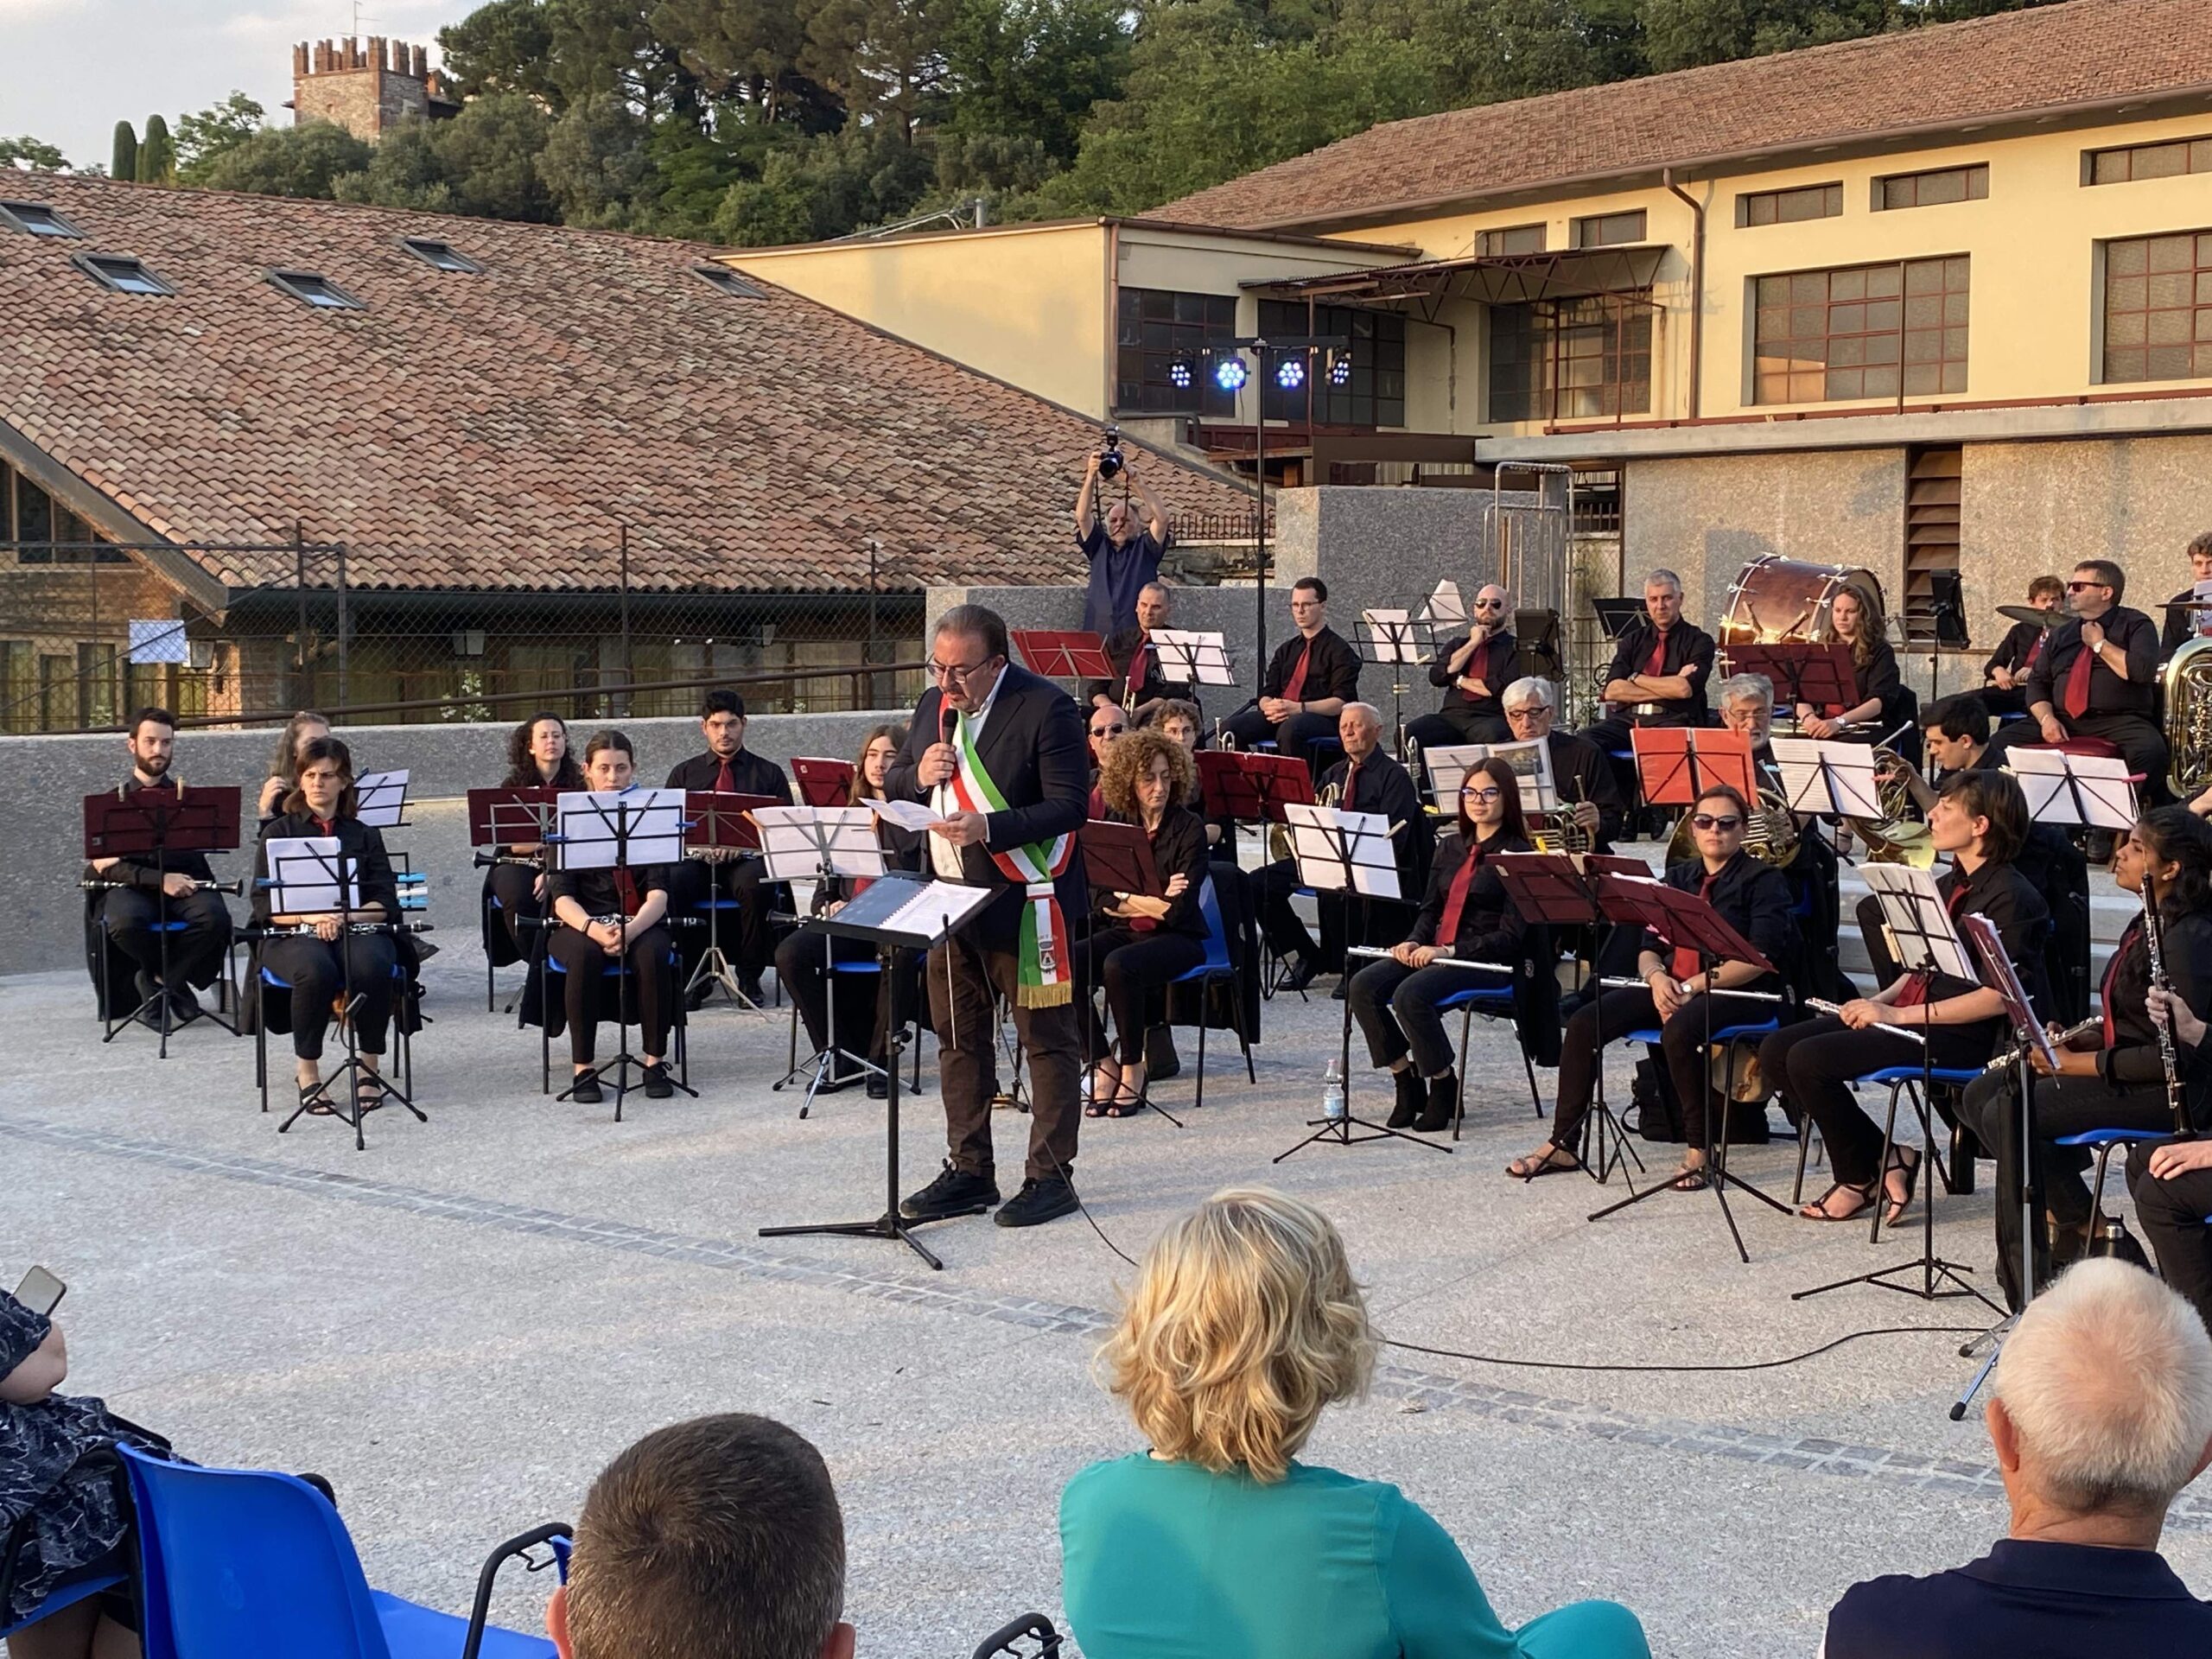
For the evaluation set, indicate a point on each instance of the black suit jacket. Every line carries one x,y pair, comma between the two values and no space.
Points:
1033,746
1387,788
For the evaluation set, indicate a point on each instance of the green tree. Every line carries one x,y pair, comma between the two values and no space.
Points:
122,156
157,155
505,47
200,137
488,154
404,170
597,164
1031,69
300,160
32,155
826,187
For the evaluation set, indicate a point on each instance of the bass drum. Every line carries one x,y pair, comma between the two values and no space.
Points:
1775,600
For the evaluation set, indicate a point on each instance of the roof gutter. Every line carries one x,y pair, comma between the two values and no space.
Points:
1697,289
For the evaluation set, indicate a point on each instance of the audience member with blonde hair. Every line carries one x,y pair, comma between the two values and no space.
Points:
2102,1413
1244,1324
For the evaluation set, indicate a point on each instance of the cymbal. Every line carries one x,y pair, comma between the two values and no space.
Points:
2044,619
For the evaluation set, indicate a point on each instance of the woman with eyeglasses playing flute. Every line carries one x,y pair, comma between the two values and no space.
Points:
1980,819
1465,914
2119,1081
321,961
537,758
1753,898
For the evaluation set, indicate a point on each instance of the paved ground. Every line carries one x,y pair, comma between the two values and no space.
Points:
459,1325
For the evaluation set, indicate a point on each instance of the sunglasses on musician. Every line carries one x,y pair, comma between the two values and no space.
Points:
1713,821
2083,586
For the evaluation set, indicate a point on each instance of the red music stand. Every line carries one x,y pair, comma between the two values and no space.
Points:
824,783
154,822
511,817
1252,788
1064,654
1823,676
1117,857
1676,764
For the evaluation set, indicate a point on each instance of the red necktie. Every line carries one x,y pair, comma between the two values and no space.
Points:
1351,783
1296,683
2035,650
724,784
1455,901
1478,665
2112,972
1658,663
1136,665
626,888
1683,963
2076,701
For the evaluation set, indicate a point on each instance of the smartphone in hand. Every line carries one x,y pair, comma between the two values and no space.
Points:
41,1292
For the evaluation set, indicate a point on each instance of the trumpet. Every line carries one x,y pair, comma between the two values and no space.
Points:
101,884
2011,1057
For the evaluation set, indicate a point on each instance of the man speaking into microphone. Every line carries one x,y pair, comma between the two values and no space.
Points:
999,753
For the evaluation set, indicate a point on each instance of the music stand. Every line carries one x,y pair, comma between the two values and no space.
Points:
1539,649
720,820
1247,787
1390,638
1189,656
1827,779
1684,920
153,823
1617,616
1560,890
2093,790
820,844
1062,653
380,799
1444,608
900,912
616,830
513,817
1822,676
822,782
1117,858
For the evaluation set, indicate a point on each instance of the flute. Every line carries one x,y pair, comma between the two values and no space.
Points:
2011,1057
1689,990
100,884
1822,1005
2154,941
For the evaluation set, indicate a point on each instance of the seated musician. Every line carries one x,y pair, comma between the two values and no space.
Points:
1472,668
1138,685
2005,675
537,758
1750,897
2098,678
148,891
727,767
2172,1180
1177,719
284,777
1980,819
1747,704
803,960
2118,1080
1139,944
1467,914
2181,623
326,958
1365,780
1581,773
1310,678
592,907
1660,665
1855,616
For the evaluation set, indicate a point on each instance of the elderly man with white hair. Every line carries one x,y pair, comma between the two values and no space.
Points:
1471,669
2101,1414
1581,773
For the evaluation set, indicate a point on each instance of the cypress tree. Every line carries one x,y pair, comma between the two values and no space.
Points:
123,162
157,155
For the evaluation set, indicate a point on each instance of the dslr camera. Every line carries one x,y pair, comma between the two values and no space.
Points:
1109,458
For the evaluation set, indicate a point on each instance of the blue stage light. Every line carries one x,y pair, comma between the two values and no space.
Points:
1229,374
1290,373
1181,373
1339,370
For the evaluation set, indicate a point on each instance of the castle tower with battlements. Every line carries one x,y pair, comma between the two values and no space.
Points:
369,86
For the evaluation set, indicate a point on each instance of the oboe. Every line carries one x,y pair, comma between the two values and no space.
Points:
2154,941
102,884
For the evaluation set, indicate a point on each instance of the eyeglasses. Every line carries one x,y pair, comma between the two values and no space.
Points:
2079,587
1483,797
1108,731
954,673
1707,821
1528,713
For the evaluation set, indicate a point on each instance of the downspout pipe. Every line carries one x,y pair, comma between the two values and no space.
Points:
1697,290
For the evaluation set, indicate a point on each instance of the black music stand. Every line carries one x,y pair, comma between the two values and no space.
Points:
900,913
1062,653
518,815
1827,777
1192,657
1117,858
1390,638
595,832
820,844
720,819
1617,616
296,881
154,822
1819,675
1539,650
1561,890
1684,920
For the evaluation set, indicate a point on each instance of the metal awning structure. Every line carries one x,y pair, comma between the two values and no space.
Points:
1488,279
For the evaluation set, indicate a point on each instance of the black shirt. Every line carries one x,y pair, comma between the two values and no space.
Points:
2179,627
141,869
1878,678
597,890
1331,671
2012,650
1581,771
749,774
2021,917
1120,649
2129,632
1688,651
1178,848
1491,927
1494,670
359,843
1752,898
1385,787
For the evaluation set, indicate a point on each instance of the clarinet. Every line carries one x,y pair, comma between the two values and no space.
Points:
305,929
101,884
2154,941
486,860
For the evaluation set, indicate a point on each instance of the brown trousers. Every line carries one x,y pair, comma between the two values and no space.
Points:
967,1050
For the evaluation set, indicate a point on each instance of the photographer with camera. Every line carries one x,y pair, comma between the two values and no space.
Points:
1122,558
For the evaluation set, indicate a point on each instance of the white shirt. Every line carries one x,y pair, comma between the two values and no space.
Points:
944,857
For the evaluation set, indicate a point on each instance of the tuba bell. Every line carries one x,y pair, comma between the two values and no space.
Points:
2187,681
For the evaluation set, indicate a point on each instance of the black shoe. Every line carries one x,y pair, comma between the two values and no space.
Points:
586,1091
1160,1059
954,1192
1443,1099
879,1087
1298,974
696,998
184,1008
659,1086
748,986
143,984
838,1082
1343,986
1411,1098
1038,1201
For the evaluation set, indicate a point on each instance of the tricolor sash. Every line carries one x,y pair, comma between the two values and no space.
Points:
1044,981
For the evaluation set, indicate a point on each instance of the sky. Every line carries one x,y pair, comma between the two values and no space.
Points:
71,69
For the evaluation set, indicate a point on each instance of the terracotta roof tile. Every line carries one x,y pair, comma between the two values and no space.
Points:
494,429
1991,68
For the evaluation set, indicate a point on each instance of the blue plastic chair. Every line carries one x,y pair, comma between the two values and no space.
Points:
247,1561
1493,1002
1217,966
1721,1035
1905,1078
2104,1140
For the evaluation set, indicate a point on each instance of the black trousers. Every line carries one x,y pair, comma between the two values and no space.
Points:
1395,1007
317,972
587,987
2139,742
194,950
2063,1106
2000,702
863,1001
1134,966
515,888
1456,723
1385,921
1814,1062
2172,1216
964,973
1682,1044
1295,737
747,935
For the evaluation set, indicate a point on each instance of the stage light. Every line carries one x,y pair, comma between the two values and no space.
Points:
1181,373
1229,374
1290,373
1339,369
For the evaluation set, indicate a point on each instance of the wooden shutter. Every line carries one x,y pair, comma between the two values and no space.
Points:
1931,530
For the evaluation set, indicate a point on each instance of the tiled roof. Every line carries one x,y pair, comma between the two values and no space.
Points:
494,429
2088,51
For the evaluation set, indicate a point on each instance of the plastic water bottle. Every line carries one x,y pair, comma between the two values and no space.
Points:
1332,1093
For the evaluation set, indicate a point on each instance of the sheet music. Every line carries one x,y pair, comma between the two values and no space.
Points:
304,869
1194,654
1449,764
2052,780
907,815
586,822
383,797
1444,604
796,839
936,906
1919,922
1832,779
1998,974
1315,834
1390,637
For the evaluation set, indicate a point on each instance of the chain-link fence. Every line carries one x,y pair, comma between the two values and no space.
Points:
90,630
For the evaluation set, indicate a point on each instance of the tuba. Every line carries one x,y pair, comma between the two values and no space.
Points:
2187,681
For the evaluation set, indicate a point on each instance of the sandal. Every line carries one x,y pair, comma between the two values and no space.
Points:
368,1093
1549,1160
1906,1162
1102,1092
314,1101
1819,1210
1691,1178
1128,1102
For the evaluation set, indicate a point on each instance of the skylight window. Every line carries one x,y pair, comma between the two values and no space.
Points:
315,290
121,272
36,219
728,281
442,255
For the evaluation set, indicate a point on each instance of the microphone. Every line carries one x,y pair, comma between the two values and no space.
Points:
946,718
